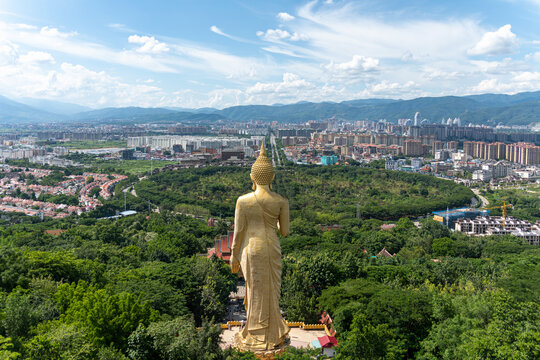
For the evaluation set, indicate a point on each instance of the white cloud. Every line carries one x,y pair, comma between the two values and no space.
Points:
358,64
527,76
217,30
292,88
348,28
274,35
75,83
291,82
299,37
121,27
502,41
518,82
149,44
277,35
283,16
36,57
505,66
71,45
212,61
407,56
25,26
51,32
282,51
434,73
386,88
8,52
150,56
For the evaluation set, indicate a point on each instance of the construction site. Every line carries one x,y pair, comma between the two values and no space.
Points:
478,222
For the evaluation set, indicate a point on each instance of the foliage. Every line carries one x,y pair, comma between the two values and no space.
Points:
6,347
300,354
331,192
136,287
175,339
108,318
526,202
366,341
59,199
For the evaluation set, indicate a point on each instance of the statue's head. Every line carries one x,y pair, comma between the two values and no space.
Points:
262,171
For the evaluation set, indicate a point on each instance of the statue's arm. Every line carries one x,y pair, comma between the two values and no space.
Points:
238,237
284,218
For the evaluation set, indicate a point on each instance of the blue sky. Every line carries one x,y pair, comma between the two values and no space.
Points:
223,53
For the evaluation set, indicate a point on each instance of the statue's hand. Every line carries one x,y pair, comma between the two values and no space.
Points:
235,265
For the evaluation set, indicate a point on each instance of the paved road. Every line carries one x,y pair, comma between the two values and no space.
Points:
275,153
235,309
132,192
485,202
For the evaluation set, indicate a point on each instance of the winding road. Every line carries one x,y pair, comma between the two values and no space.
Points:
485,202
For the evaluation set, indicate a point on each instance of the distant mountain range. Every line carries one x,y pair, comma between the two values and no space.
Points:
55,107
14,112
518,109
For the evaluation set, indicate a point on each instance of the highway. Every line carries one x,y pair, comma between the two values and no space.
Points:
275,153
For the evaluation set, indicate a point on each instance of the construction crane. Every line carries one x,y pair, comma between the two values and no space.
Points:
504,206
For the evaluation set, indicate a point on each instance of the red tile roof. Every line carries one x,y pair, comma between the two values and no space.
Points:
385,253
327,341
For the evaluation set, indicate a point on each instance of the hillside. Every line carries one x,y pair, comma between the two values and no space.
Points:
517,114
55,107
331,192
139,115
518,109
12,111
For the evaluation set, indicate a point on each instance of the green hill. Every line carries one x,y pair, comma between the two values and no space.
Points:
330,193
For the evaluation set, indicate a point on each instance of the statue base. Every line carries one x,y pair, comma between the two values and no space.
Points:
261,354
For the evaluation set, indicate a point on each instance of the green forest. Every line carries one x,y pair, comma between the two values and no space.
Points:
129,288
525,201
140,287
443,295
332,192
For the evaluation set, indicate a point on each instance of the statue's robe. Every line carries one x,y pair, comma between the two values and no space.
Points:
257,247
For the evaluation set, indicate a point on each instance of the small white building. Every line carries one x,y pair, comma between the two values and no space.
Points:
417,163
482,175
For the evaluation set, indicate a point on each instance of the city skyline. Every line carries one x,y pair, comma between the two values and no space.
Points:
210,54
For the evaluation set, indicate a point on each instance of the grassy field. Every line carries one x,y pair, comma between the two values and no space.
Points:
86,144
137,167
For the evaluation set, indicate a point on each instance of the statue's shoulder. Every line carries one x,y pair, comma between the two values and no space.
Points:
279,197
245,198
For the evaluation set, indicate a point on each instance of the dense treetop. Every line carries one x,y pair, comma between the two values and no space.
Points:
138,288
332,192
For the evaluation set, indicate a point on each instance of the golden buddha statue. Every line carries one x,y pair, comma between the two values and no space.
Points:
257,253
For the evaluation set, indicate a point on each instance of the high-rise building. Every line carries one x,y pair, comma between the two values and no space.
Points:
523,153
413,148
452,145
437,145
468,148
